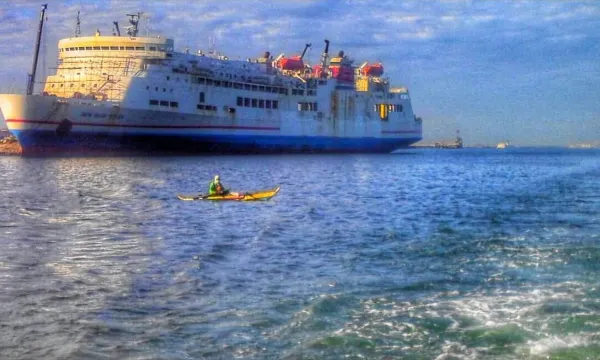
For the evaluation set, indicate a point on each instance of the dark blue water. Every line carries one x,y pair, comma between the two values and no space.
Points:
424,254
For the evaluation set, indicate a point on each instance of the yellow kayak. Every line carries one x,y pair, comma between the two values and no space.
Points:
237,196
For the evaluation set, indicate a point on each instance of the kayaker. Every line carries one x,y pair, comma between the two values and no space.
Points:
216,188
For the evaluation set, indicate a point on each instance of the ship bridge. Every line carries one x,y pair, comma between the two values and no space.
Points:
116,46
101,67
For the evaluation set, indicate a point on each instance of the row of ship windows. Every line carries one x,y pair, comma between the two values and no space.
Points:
307,106
390,107
82,85
173,104
252,87
206,107
267,104
245,102
101,116
156,89
301,92
138,48
257,103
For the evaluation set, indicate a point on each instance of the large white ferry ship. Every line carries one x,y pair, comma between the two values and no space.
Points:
129,92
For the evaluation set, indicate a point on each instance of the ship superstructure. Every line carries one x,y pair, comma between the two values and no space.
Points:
138,93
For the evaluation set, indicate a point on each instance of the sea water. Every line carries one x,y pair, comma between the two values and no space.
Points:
420,254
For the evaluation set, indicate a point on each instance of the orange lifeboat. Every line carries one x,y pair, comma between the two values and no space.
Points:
317,71
373,70
292,63
341,73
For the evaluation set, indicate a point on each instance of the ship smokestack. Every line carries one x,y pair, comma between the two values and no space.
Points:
324,59
267,61
37,51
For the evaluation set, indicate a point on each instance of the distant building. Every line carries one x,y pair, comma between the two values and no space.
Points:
585,145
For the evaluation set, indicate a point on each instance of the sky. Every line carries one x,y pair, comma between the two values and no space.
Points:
523,71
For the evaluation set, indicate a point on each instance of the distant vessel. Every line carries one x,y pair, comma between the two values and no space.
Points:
503,145
457,144
585,145
136,93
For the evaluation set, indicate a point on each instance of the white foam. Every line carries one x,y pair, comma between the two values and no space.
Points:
481,311
552,343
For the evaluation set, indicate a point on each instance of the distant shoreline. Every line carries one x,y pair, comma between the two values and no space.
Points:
14,148
10,147
575,146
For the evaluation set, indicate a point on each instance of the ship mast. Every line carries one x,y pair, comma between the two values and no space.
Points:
37,51
78,27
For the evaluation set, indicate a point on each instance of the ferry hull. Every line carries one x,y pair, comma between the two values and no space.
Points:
50,143
46,125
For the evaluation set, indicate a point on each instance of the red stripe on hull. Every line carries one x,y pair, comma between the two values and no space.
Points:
221,127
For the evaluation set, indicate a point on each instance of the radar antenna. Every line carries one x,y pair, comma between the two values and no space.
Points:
134,21
211,45
78,27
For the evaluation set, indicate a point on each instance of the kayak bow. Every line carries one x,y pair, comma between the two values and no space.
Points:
241,196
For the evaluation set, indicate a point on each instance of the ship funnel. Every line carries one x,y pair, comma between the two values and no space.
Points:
324,58
341,53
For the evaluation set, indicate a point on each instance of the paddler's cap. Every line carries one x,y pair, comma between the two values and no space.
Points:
217,178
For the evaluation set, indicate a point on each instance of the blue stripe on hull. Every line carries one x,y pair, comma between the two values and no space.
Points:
48,142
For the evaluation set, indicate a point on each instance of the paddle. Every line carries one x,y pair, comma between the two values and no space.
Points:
236,194
247,194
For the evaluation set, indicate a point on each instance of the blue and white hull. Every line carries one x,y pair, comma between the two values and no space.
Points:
35,142
47,125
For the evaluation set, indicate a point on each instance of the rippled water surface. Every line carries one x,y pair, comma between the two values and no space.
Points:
422,254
